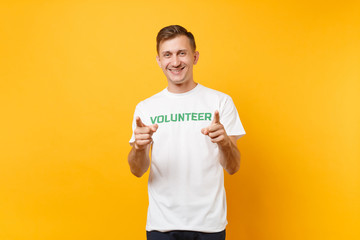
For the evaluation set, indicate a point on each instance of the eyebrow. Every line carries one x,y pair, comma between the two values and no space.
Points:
180,50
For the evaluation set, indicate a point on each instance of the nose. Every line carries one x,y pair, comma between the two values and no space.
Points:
176,61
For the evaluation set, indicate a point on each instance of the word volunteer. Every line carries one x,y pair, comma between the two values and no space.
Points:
180,117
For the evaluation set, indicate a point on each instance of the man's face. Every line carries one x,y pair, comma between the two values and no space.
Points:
176,59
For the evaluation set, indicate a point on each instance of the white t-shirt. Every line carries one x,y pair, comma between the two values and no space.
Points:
186,181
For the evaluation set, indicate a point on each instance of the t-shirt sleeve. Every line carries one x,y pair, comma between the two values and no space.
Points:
229,117
136,113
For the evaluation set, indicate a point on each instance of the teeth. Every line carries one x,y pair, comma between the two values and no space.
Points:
176,70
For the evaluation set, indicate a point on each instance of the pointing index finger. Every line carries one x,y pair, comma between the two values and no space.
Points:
139,123
216,118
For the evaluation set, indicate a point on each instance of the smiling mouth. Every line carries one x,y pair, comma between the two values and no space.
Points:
176,70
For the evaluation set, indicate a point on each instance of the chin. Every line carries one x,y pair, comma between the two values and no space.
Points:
178,82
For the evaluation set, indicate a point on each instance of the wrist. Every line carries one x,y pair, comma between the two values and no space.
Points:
225,144
139,148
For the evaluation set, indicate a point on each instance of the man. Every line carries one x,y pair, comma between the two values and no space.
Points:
191,131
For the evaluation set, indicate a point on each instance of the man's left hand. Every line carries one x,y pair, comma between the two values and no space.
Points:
216,131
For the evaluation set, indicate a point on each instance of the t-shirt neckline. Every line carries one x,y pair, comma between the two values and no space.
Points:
192,91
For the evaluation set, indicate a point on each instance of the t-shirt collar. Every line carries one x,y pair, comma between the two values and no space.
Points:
192,91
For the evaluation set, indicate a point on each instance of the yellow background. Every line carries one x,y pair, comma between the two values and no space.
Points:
71,73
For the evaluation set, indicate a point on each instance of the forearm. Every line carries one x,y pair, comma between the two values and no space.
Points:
139,161
230,157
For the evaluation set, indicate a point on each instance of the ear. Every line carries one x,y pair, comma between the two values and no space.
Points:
196,57
158,60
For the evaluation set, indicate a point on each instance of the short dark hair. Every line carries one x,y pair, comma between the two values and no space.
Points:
171,32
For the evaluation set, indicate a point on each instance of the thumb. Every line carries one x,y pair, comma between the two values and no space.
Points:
154,127
205,131
216,118
139,123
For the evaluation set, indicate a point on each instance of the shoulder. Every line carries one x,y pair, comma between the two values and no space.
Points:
215,93
150,100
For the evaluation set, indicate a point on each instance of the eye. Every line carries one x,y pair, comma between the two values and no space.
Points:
167,55
182,53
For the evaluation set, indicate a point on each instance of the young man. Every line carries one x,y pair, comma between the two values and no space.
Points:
192,132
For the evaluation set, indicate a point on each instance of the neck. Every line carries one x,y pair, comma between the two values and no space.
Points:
182,87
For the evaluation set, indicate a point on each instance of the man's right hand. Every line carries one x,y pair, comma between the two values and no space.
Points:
143,134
